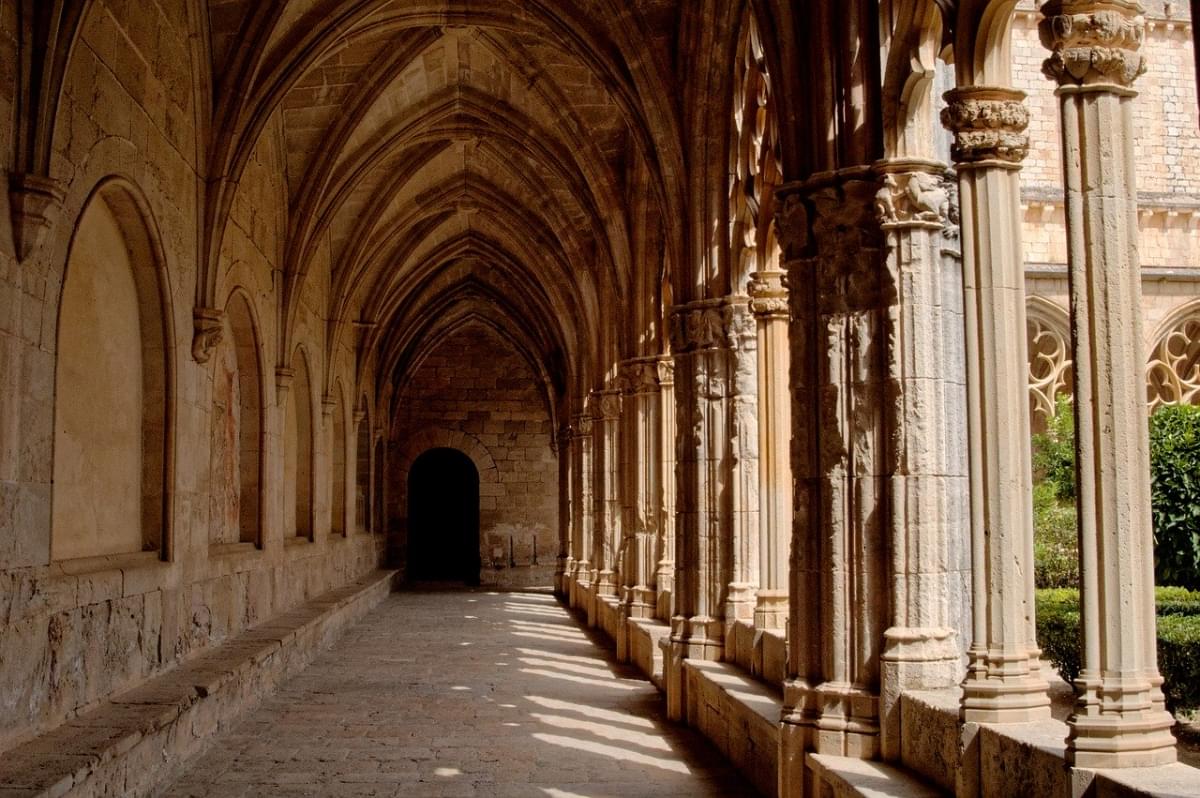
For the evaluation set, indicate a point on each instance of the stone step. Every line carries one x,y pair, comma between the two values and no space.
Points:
845,777
130,743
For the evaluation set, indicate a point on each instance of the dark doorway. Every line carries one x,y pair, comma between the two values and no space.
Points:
443,518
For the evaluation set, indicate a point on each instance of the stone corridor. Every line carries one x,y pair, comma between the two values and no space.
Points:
464,693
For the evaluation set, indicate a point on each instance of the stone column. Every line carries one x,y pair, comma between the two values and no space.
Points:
564,565
642,499
1003,682
664,581
581,508
838,596
1119,718
703,372
769,303
741,595
608,494
926,402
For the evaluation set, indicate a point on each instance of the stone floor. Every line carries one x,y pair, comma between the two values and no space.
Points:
462,693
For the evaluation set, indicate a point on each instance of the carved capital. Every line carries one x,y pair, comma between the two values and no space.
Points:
768,295
359,417
581,427
208,325
639,376
283,381
328,405
34,203
791,223
609,405
1093,43
699,325
666,372
913,194
988,124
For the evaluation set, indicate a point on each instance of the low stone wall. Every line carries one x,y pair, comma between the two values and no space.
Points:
130,744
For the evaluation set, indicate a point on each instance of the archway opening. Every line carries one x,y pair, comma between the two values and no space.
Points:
443,518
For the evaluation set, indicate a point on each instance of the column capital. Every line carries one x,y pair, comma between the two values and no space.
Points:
208,326
1093,42
768,294
639,375
915,194
709,324
581,425
988,123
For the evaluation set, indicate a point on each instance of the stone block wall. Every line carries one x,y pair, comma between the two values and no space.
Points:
73,631
475,393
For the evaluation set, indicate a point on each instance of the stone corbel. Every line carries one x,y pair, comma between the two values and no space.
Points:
359,417
208,326
35,203
328,405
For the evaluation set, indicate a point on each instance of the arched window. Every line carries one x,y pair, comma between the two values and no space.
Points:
236,440
1173,374
298,451
754,161
1049,344
339,474
111,420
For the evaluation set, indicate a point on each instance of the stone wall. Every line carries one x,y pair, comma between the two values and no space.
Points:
74,630
477,387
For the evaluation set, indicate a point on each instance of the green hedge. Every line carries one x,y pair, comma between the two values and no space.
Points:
1178,639
1175,486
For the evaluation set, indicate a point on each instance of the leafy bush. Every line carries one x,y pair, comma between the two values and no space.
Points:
1175,484
1055,541
1178,639
1179,659
1054,451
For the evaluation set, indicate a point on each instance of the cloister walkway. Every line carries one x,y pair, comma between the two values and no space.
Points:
462,693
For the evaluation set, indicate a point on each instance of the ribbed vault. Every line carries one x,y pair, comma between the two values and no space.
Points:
449,163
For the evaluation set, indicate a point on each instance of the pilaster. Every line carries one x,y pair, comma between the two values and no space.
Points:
742,591
1119,718
665,567
1003,682
641,494
581,509
607,538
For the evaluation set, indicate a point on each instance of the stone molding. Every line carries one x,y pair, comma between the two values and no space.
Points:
35,203
988,123
914,194
1093,43
723,323
208,330
639,376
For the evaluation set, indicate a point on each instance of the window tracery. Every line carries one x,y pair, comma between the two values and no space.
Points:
1173,373
1050,373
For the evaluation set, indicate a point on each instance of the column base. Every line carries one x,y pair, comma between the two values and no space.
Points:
913,659
771,610
606,583
1004,688
665,581
740,602
842,720
1118,724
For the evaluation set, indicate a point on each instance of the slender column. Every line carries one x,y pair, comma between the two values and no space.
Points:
642,505
1119,718
608,495
769,303
1003,682
665,576
703,370
838,597
741,594
581,507
564,565
927,405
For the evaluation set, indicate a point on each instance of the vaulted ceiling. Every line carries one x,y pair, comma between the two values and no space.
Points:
458,161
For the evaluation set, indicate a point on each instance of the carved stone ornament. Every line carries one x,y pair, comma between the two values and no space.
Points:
610,405
768,295
988,124
34,204
791,224
1093,42
698,327
666,371
582,426
639,376
908,197
209,328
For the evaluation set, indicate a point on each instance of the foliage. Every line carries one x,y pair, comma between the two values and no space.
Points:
1175,484
1055,541
1178,639
1054,451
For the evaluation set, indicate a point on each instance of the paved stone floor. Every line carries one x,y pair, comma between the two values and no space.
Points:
462,693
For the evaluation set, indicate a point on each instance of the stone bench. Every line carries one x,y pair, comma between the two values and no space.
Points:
130,743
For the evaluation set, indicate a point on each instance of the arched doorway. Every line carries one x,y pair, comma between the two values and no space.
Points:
443,517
